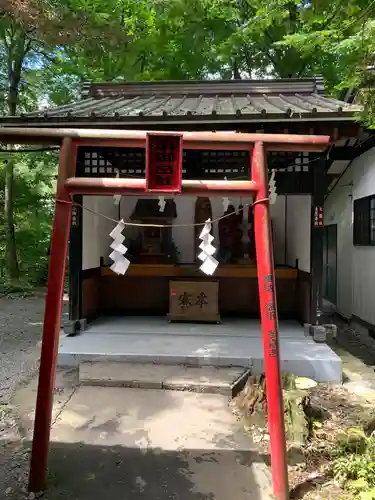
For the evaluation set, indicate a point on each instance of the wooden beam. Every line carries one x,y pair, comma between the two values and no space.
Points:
344,153
75,261
181,271
137,187
192,140
316,242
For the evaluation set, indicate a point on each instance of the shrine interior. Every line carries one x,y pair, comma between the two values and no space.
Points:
163,278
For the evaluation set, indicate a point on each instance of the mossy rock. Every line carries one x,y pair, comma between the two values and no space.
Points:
299,409
297,426
352,441
368,423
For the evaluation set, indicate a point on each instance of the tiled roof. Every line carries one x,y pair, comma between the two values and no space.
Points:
244,100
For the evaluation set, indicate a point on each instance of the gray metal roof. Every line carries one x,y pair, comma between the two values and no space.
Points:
234,100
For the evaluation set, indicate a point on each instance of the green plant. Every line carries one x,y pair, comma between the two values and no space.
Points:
21,287
353,463
367,495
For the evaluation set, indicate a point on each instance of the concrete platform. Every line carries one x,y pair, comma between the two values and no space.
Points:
235,343
159,325
207,379
116,443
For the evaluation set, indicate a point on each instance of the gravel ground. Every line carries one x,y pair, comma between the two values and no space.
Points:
20,333
21,321
360,346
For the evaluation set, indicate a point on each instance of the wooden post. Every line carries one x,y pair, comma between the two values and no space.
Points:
270,327
75,261
317,225
52,320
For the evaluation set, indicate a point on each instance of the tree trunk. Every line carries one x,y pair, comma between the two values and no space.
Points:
11,253
11,247
17,50
236,71
300,410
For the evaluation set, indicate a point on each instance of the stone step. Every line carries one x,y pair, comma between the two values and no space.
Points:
226,381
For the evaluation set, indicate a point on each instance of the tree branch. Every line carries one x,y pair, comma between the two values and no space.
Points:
236,71
248,60
275,62
49,58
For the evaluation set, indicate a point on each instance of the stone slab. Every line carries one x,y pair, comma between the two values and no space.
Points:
206,379
159,325
299,355
154,445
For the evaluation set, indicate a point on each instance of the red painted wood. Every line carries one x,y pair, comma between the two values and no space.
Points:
192,140
52,319
163,163
270,327
138,187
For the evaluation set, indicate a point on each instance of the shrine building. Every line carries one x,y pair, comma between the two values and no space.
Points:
163,292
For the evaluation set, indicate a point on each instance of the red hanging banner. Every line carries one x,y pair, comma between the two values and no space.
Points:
163,163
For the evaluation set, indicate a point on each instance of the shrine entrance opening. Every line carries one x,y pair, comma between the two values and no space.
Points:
164,178
162,240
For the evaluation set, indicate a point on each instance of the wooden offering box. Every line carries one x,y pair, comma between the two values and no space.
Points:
194,301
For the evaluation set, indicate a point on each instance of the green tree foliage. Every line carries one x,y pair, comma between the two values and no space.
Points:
48,48
34,187
31,36
181,39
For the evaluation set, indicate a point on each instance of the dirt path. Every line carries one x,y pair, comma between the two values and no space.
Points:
20,333
155,445
21,321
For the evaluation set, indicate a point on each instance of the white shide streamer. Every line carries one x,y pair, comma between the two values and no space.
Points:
272,188
209,263
117,197
226,203
120,262
161,203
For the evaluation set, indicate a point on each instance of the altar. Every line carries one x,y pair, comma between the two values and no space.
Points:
147,289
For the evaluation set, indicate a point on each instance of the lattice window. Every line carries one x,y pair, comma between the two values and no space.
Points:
109,162
197,164
225,162
289,162
130,162
364,221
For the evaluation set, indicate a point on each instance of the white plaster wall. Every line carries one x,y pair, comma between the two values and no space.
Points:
338,209
96,229
278,230
363,172
355,264
298,213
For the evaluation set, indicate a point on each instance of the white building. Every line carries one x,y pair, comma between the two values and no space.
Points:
349,249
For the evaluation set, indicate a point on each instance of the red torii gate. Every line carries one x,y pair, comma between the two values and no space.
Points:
68,185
